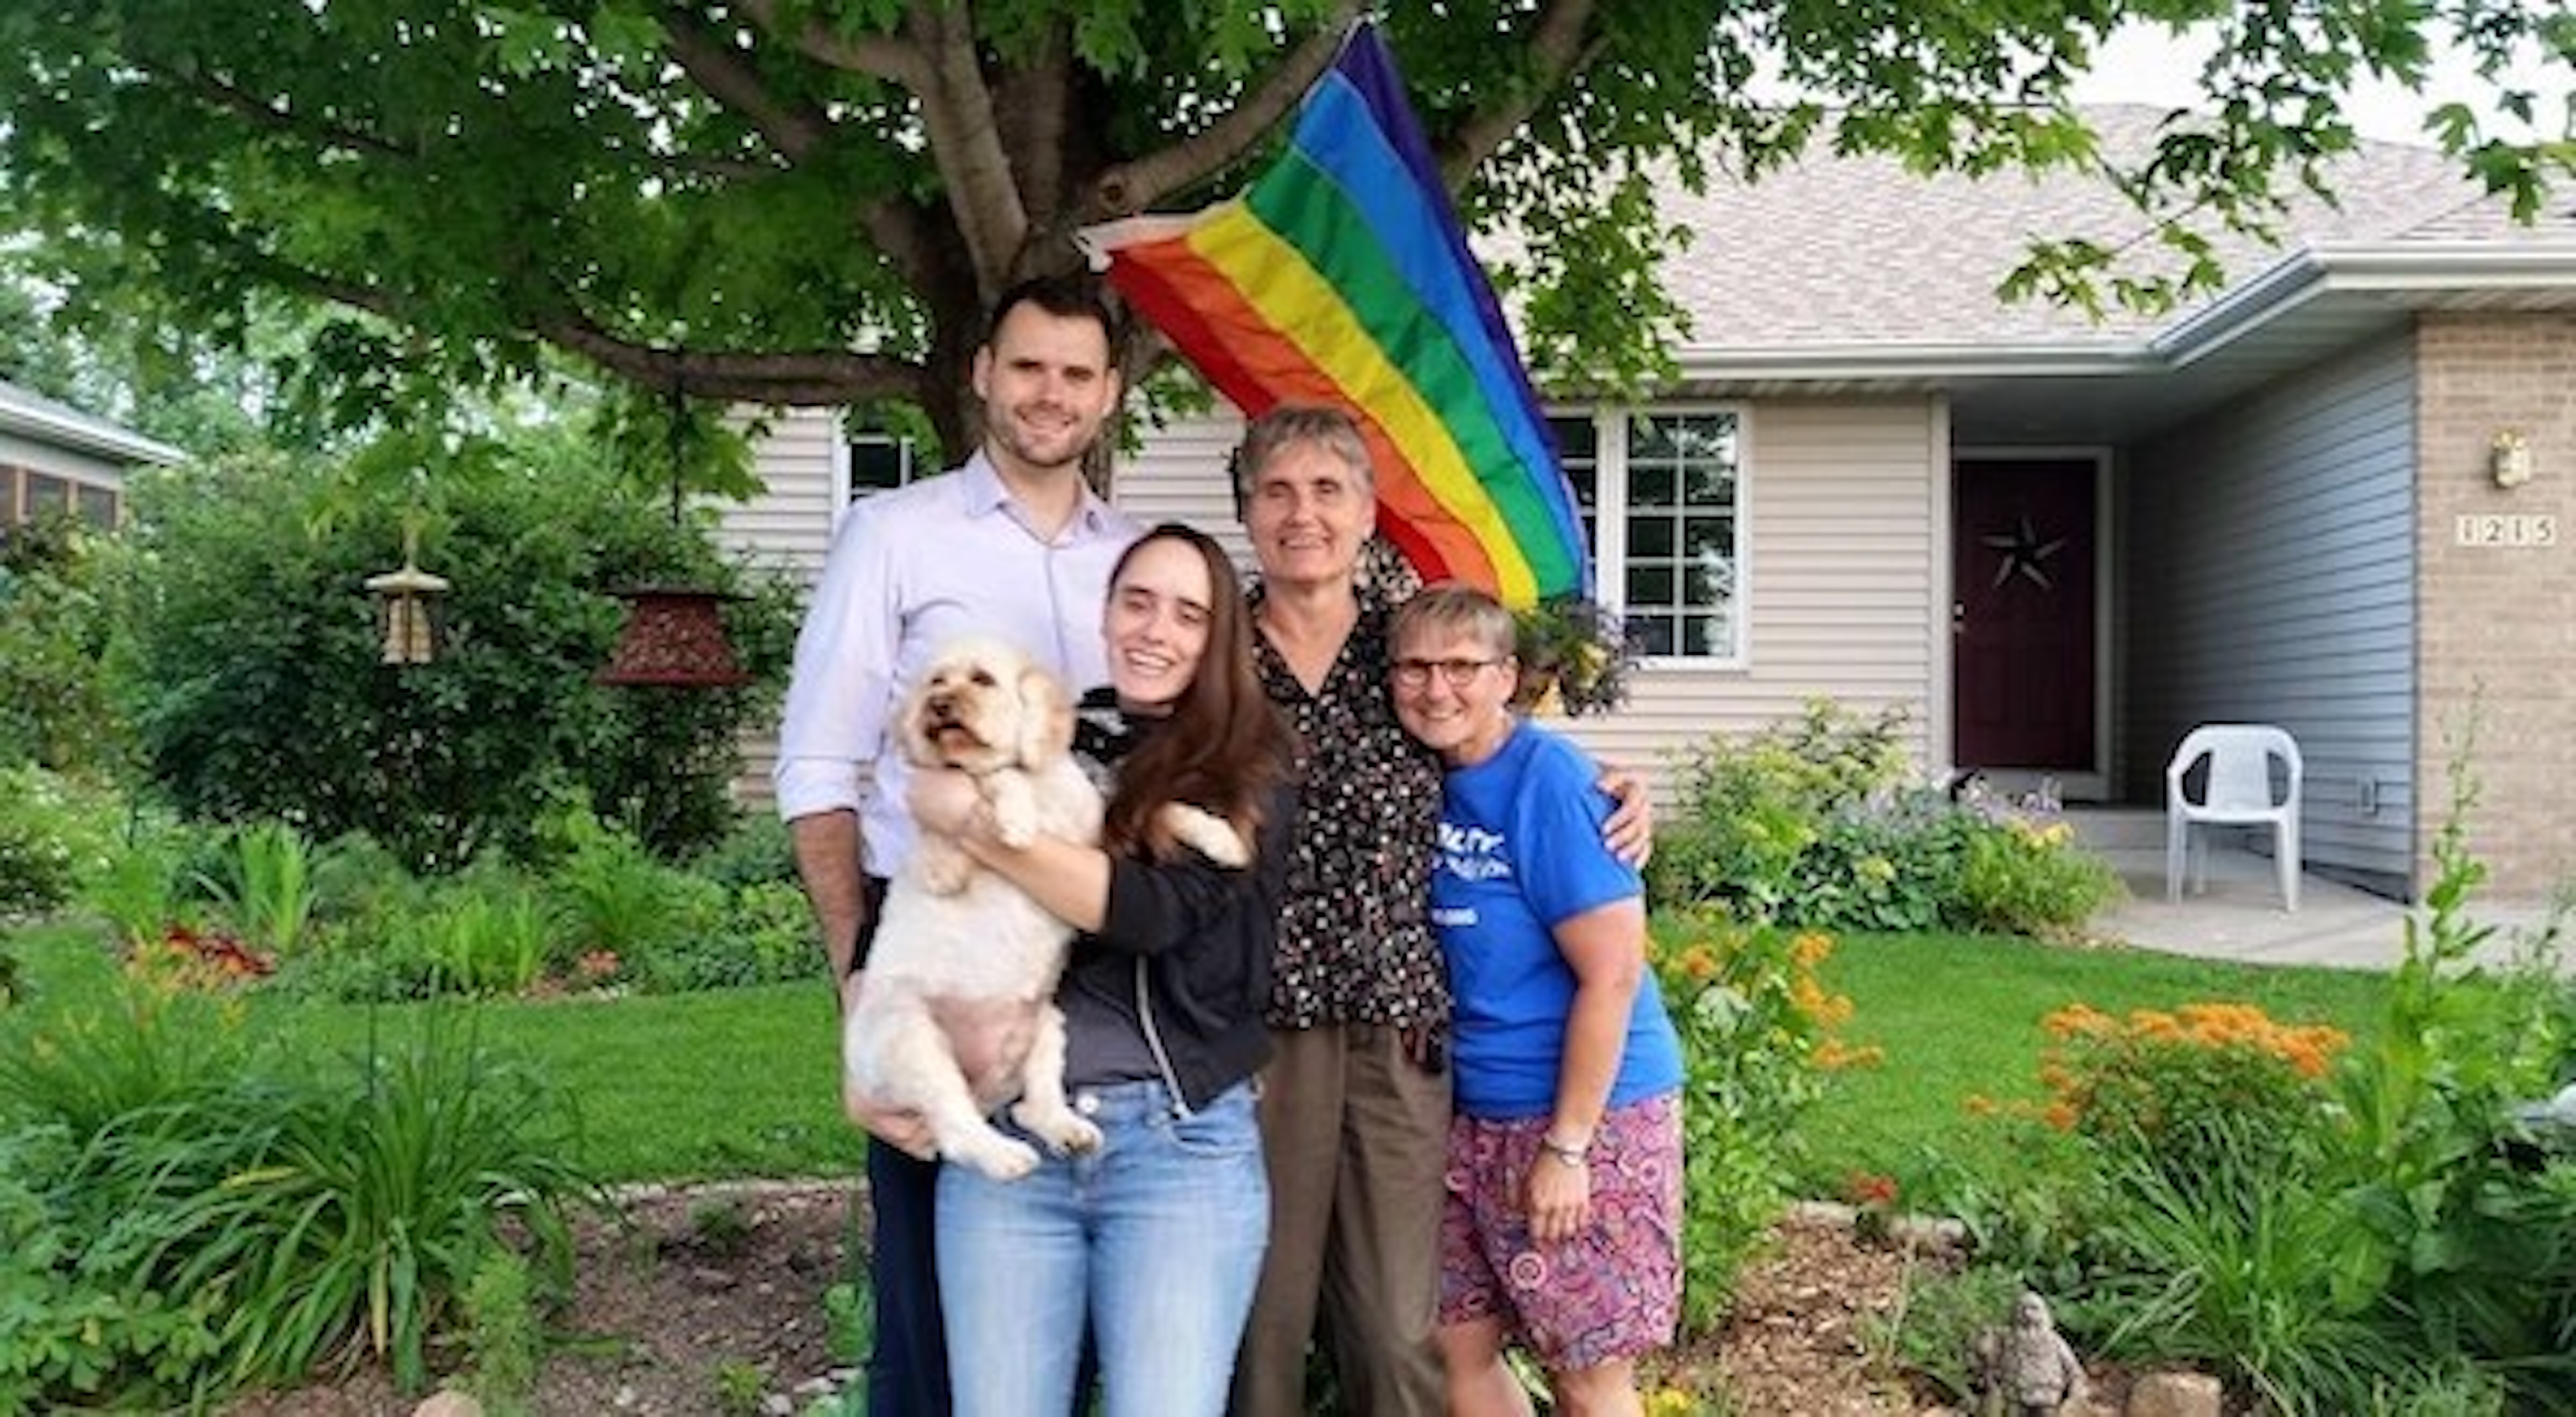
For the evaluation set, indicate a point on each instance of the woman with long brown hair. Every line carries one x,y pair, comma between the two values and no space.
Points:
1155,1237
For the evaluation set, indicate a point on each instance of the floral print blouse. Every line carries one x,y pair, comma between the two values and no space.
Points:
1355,941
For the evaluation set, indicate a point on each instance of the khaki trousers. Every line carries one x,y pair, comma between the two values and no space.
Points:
1356,1135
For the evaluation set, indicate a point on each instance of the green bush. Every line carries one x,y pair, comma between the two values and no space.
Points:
53,831
1810,822
59,599
255,686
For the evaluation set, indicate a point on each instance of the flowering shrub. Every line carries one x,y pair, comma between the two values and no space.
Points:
192,959
2150,1080
1756,1028
2026,876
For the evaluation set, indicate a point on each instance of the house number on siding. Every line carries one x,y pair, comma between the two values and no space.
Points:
2505,529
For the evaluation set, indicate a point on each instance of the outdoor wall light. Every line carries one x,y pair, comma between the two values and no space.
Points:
2509,458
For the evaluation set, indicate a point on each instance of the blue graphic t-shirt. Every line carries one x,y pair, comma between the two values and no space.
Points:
1520,851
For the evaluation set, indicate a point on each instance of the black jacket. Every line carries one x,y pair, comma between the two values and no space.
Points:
1196,939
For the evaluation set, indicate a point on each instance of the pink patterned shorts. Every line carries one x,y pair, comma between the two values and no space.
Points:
1612,1292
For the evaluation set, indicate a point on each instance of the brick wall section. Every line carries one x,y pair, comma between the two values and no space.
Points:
2498,624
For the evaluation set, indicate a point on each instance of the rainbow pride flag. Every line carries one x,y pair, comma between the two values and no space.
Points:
1342,277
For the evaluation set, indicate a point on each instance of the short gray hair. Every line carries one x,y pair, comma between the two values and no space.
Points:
1454,607
1332,429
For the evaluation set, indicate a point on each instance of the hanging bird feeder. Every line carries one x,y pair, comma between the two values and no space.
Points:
674,635
407,613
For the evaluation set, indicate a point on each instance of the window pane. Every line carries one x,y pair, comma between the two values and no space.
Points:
878,463
47,494
8,494
1650,538
1684,538
98,506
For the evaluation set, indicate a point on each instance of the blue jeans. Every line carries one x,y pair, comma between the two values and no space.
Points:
1157,1236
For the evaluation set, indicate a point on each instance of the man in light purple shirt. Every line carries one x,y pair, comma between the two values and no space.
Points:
1014,545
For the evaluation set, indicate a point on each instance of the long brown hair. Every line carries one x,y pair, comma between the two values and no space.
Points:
1224,745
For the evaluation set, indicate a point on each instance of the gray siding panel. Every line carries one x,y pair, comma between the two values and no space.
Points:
2271,578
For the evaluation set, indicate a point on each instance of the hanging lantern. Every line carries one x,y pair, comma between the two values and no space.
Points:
674,637
407,607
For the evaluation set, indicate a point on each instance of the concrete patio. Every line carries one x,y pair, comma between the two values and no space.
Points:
2240,917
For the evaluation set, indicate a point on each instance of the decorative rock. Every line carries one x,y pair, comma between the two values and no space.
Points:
2175,1395
448,1402
778,1404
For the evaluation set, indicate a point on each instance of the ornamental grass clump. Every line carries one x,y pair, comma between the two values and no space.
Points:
205,1215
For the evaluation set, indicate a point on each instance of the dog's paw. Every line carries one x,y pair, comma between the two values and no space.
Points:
1207,834
941,867
1064,1130
1015,808
994,1154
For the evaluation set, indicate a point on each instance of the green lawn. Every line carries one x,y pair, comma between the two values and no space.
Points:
742,1082
1958,1016
738,1082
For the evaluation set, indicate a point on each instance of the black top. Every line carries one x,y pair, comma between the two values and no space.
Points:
1174,984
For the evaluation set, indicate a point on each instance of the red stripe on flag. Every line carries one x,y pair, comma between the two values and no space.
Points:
1257,365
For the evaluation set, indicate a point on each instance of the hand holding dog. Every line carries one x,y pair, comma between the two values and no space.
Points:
944,800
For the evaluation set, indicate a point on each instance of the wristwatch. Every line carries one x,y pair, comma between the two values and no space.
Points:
1570,1155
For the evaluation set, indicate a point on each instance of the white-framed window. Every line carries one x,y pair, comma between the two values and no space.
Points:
878,461
1661,492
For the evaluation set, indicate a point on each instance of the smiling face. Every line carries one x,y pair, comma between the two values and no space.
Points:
1047,386
1309,513
1156,626
1453,690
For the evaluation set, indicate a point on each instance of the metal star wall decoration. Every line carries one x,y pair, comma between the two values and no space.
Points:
2024,555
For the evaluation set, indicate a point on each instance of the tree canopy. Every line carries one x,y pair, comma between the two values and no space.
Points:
810,201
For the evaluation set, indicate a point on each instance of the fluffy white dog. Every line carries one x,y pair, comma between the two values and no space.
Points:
958,1014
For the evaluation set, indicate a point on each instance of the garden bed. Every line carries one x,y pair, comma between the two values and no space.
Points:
705,1285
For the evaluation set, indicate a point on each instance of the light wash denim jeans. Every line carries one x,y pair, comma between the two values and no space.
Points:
1157,1235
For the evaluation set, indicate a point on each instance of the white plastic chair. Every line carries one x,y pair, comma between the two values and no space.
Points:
2238,792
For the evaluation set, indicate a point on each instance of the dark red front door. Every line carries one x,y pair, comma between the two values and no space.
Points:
2022,628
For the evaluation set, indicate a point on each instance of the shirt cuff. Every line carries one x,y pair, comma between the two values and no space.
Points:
807,787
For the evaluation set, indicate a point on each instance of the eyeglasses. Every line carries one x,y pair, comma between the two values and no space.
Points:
1459,673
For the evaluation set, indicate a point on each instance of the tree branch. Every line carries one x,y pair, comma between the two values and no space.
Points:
1133,186
800,378
724,74
1033,108
882,56
957,113
1556,48
803,378
234,100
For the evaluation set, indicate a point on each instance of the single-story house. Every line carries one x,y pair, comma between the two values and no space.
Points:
56,458
2338,496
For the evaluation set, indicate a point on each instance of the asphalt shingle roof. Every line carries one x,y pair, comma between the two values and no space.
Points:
1839,253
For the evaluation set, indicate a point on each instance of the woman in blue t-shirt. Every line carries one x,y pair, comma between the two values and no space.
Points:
1562,1230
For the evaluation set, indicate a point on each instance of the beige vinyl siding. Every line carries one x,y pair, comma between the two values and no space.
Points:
1838,501
1178,474
793,517
790,522
2271,555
